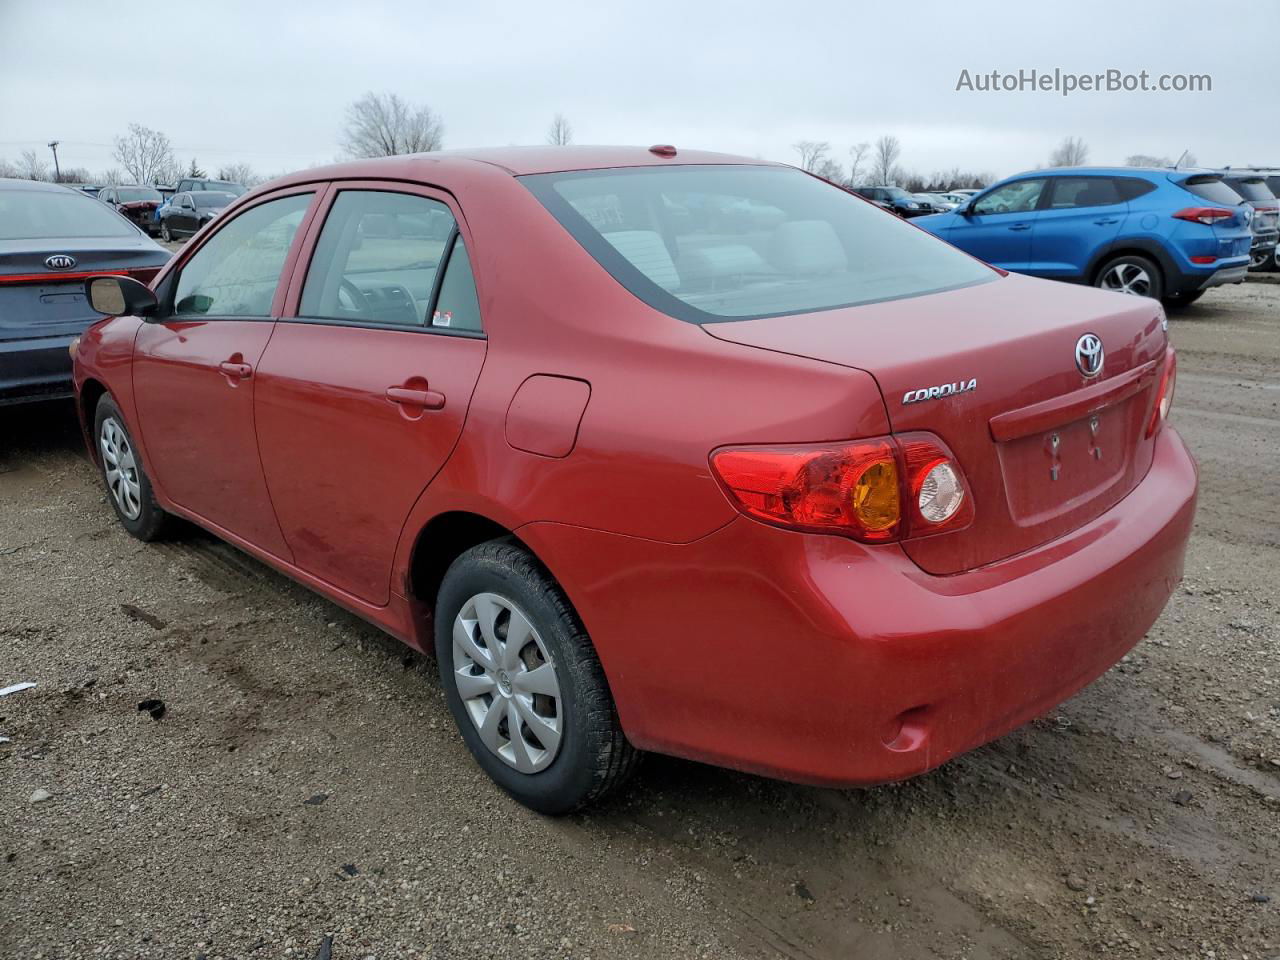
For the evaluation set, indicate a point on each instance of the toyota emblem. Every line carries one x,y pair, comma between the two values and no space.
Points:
1089,355
60,261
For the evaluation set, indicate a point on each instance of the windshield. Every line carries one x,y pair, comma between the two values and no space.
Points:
134,194
211,199
41,214
713,243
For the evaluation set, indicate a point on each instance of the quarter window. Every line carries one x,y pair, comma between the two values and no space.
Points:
457,307
377,258
1021,196
236,272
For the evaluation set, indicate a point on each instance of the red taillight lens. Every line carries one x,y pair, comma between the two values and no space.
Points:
1206,215
1164,393
876,490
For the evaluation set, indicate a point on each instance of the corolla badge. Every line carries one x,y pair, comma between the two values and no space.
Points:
941,390
1089,355
60,261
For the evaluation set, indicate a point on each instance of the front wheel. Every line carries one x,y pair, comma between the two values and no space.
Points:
524,683
128,487
1133,275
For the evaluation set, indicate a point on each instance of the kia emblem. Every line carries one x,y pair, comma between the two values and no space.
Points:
1089,355
60,261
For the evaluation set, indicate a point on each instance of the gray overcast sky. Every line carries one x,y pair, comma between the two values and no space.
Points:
267,81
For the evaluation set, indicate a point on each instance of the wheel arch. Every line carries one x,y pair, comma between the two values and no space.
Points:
91,393
1133,247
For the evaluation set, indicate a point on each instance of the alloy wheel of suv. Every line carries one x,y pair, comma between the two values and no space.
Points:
1133,275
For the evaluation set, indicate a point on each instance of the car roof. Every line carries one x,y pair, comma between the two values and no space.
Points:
517,161
13,183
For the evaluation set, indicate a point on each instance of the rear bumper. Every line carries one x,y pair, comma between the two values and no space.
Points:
36,369
1225,275
820,660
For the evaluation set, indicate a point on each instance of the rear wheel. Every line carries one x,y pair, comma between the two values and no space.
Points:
1131,274
164,232
524,683
128,487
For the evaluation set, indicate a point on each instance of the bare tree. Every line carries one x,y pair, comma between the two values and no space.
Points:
885,160
32,167
75,175
112,177
812,153
1071,152
384,125
240,173
856,154
828,169
144,153
9,169
195,171
560,134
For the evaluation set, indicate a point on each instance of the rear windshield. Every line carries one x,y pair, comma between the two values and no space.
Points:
203,199
222,186
57,214
1251,188
714,243
135,194
1213,190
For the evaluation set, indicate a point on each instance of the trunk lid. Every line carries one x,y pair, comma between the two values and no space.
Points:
1002,356
37,300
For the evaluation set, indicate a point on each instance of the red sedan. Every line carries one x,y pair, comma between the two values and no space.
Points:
657,450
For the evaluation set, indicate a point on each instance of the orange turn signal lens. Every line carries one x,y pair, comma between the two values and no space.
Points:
877,505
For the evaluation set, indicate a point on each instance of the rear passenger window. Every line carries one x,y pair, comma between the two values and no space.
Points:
377,258
457,307
236,272
1132,188
1069,192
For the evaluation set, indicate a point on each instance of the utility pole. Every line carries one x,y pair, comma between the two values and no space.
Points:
57,174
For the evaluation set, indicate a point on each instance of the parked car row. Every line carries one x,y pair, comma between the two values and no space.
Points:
146,207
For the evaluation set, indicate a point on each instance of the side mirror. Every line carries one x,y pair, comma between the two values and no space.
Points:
965,209
119,296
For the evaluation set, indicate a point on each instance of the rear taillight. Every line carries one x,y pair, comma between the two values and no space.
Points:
1164,393
1206,215
876,490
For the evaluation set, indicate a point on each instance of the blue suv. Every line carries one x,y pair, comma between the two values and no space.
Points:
1167,234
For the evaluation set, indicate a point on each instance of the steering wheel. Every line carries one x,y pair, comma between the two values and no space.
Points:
359,302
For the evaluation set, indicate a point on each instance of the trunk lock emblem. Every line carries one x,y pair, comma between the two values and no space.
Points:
1094,448
1089,355
1055,466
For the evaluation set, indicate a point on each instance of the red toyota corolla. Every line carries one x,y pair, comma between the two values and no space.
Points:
657,450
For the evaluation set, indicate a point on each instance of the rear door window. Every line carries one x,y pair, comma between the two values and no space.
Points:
236,271
1071,192
707,243
377,259
457,306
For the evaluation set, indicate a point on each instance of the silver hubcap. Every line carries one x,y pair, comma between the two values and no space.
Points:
507,682
1127,278
121,468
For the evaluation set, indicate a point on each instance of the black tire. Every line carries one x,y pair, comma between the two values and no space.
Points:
1155,279
1176,301
151,522
593,757
165,235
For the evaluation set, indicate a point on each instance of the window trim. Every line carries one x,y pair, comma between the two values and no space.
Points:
166,282
1056,180
1041,201
293,300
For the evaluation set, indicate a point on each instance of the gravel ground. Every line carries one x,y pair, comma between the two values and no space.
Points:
306,779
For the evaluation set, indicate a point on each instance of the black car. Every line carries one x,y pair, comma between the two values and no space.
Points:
51,238
185,213
136,204
895,199
1266,215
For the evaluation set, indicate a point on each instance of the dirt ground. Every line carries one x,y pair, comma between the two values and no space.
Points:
307,779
